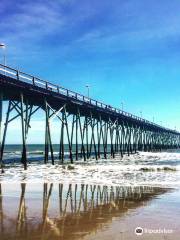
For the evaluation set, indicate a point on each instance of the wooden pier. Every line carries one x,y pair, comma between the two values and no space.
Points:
85,122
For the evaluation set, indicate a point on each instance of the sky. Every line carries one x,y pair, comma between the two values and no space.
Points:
126,50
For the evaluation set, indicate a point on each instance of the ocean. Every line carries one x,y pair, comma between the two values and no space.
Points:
142,168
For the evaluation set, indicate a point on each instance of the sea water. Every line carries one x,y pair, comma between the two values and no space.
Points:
142,168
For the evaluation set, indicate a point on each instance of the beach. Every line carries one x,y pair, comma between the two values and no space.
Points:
105,199
71,211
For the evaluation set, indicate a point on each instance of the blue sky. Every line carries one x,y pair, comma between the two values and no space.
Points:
127,50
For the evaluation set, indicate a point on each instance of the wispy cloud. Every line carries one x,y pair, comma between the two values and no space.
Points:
31,21
109,26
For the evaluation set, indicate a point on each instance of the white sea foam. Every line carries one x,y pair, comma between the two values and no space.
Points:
143,168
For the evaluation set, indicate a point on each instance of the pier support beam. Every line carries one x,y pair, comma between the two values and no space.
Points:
81,134
23,123
68,135
48,141
4,134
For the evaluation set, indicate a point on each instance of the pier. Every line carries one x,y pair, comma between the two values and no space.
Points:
96,129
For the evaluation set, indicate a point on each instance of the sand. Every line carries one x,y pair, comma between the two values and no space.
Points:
70,211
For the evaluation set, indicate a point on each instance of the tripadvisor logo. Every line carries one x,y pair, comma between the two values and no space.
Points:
139,231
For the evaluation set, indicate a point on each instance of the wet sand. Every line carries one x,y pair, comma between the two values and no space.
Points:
70,211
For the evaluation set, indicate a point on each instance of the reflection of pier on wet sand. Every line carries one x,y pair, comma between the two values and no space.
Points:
76,210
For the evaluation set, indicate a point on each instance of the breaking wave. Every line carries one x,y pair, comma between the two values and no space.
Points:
143,168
